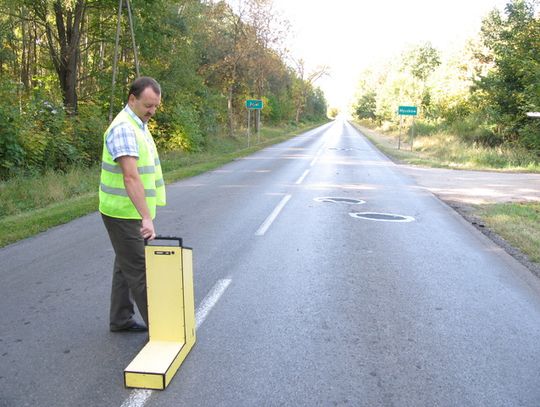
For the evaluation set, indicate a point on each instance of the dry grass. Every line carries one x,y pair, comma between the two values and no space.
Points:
448,151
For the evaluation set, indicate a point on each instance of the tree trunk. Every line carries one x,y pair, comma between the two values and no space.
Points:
297,118
64,48
25,52
230,111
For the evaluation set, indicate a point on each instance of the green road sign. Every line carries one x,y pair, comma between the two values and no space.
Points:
407,110
254,104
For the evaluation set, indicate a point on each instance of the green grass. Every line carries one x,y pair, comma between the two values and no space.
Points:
29,223
517,223
33,204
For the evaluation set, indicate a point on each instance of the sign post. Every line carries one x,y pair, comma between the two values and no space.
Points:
254,104
406,111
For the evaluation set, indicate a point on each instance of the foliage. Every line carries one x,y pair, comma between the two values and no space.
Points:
56,61
481,92
512,87
333,112
11,152
366,105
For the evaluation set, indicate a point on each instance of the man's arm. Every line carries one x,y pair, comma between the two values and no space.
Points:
135,191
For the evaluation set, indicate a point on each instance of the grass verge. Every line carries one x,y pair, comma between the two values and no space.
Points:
31,205
448,151
517,223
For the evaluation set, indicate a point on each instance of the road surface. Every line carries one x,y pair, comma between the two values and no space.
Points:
306,302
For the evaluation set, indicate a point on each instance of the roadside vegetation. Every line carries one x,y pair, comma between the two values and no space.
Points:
473,101
517,223
449,151
56,70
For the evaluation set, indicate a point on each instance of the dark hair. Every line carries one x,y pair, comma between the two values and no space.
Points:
140,84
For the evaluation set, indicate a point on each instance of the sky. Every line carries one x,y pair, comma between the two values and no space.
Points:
351,35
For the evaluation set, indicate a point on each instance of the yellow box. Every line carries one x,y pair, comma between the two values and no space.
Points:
171,316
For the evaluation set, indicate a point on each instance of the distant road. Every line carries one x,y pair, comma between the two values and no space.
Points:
324,276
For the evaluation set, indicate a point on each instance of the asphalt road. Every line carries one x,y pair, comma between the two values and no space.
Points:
314,306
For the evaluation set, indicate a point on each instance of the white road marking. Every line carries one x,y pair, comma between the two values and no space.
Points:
272,217
301,179
139,397
210,300
316,158
318,154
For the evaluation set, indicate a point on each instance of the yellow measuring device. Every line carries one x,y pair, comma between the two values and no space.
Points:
171,315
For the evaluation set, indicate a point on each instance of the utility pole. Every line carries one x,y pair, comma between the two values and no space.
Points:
116,46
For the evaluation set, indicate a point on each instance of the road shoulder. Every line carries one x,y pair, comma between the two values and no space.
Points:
464,190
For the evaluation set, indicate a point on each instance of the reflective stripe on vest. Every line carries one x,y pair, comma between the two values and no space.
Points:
122,191
113,197
151,169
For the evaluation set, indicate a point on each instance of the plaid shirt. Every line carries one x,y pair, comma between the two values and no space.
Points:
121,139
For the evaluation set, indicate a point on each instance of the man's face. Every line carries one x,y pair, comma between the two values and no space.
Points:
145,106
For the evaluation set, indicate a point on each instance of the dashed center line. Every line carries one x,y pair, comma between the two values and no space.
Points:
301,179
272,217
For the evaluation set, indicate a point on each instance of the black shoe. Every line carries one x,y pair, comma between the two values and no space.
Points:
135,327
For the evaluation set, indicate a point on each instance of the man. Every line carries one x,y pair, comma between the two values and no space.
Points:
131,188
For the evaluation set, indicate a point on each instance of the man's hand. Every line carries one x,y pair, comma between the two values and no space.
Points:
147,229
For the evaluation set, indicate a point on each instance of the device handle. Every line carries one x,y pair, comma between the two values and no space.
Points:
159,237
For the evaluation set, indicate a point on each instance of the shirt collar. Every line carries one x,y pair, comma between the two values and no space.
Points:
135,117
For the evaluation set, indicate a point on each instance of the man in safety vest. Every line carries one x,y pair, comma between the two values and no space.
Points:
130,189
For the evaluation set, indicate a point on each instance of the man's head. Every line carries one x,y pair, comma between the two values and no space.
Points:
144,97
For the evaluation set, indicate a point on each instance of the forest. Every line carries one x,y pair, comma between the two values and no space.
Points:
482,93
56,73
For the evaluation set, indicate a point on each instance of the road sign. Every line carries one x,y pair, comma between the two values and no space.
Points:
407,110
255,104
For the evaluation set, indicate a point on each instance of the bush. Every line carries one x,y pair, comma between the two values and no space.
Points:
11,152
422,128
530,136
46,137
88,128
474,132
177,128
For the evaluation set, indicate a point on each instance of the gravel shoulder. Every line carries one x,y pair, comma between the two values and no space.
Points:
476,187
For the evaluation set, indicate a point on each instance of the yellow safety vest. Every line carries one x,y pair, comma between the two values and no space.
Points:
113,198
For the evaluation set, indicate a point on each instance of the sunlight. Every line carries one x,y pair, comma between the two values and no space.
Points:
358,34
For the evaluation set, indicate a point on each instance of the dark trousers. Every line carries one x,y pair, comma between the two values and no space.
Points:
129,273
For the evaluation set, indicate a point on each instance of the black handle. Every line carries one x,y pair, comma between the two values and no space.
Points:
171,238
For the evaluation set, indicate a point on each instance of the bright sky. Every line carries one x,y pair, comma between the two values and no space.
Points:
351,35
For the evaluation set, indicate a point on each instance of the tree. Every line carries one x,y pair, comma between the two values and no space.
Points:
63,41
366,95
304,85
56,57
512,86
